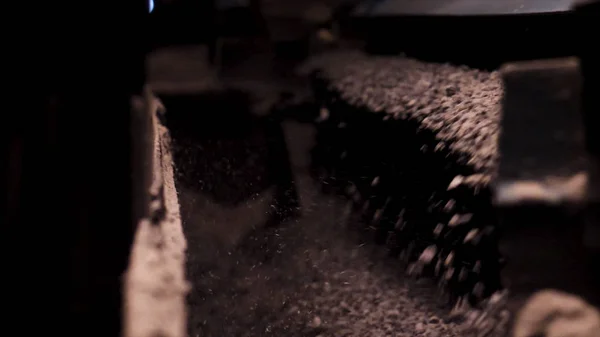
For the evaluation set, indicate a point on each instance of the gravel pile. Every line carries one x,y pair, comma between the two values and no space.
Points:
460,105
413,145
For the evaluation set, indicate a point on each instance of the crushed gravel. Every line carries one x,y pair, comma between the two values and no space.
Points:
312,276
460,105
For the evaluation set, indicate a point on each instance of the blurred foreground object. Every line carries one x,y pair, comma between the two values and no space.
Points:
546,196
155,284
552,313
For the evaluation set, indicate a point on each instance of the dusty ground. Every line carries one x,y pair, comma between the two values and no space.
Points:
310,276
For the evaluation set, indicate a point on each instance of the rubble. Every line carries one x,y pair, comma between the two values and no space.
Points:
435,159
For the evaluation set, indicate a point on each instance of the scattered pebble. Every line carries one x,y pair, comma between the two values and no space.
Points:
316,322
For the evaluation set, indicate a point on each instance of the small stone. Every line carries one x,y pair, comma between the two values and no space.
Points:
294,310
459,219
420,327
463,274
449,207
438,230
449,259
323,114
438,268
393,313
471,235
449,274
456,182
316,322
478,289
377,216
439,146
428,254
450,91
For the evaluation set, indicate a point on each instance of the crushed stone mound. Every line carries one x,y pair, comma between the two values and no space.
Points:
413,145
460,105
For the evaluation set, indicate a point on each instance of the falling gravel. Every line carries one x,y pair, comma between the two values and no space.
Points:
427,134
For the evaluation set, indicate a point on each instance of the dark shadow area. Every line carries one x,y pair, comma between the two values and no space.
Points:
479,41
182,22
542,247
224,151
66,166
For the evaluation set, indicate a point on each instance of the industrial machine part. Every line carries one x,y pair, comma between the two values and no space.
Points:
553,204
548,168
591,79
541,194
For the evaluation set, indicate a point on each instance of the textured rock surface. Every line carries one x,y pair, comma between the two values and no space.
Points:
460,105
